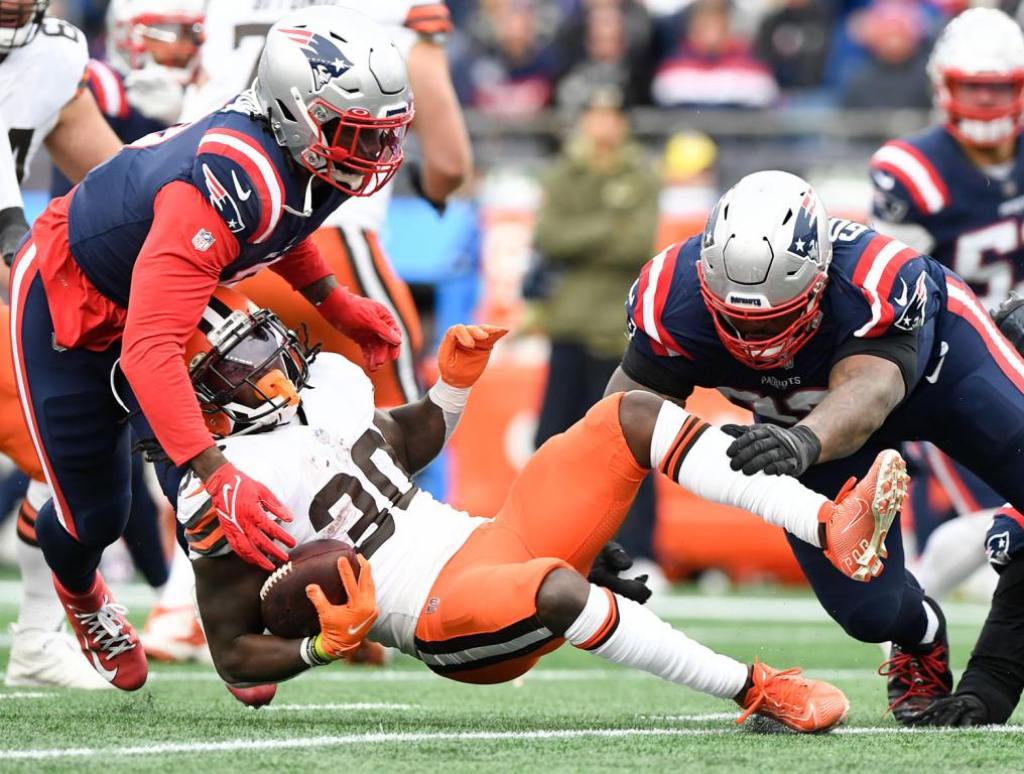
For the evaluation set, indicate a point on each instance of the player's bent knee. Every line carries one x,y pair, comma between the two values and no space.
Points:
638,414
874,622
561,598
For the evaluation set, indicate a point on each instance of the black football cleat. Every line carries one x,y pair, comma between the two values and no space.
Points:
918,678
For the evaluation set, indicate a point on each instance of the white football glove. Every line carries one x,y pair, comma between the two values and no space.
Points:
156,92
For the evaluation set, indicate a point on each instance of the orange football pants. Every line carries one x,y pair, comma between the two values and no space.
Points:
358,262
15,440
479,624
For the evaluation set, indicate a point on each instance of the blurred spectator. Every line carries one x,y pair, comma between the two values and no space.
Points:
689,187
608,42
894,34
713,67
595,230
511,68
794,39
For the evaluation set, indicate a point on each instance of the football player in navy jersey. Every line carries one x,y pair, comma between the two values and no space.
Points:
121,269
956,192
841,341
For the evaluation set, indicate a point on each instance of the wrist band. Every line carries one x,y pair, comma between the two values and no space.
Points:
452,400
310,653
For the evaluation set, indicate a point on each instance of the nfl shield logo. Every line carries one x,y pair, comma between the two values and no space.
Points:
203,240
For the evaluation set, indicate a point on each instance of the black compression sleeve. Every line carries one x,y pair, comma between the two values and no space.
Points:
900,349
652,374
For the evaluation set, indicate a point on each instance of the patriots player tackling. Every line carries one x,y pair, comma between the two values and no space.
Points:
477,600
120,270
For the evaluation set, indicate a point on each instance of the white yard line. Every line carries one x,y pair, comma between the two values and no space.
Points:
27,695
362,705
236,745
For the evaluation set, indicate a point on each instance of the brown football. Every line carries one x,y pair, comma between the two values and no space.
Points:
287,611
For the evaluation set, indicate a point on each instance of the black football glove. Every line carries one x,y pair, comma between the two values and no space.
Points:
612,560
1009,316
963,709
778,451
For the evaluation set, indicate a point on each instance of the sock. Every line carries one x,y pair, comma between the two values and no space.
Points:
692,453
623,632
932,629
40,608
180,583
955,550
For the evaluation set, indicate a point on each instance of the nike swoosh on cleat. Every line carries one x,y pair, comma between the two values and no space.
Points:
863,510
106,674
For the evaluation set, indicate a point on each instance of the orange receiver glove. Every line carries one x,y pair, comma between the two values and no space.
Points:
343,627
464,352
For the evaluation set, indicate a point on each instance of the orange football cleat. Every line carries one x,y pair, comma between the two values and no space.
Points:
856,523
797,702
174,635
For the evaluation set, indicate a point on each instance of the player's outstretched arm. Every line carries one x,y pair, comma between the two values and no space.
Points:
82,137
418,431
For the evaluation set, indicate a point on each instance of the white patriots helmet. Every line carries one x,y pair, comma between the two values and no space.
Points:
20,21
980,46
131,22
336,91
764,261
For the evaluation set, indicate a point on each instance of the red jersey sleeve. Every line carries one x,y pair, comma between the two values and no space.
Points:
302,265
175,274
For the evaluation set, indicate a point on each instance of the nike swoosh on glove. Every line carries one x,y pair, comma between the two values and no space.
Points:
343,627
464,352
777,451
605,570
246,510
367,322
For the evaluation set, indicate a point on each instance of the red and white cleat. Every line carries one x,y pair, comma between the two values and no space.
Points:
255,696
173,634
856,524
108,641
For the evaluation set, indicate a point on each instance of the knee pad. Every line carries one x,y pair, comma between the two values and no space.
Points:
1004,540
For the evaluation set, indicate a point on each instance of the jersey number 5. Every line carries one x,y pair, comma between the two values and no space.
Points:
991,280
396,489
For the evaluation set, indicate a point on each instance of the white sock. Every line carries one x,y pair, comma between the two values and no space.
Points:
40,608
623,632
955,550
692,453
177,592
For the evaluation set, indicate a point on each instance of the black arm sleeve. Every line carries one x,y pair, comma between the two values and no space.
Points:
652,374
900,349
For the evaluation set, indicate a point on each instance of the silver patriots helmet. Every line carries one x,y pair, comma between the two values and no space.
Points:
336,91
764,265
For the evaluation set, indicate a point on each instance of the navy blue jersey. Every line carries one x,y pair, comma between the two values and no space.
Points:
969,220
878,289
232,158
107,86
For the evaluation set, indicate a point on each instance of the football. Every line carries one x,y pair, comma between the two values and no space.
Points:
287,611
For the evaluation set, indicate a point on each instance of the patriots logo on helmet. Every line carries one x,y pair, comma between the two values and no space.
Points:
805,230
325,58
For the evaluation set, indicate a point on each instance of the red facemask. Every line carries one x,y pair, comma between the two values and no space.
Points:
356,143
960,112
772,352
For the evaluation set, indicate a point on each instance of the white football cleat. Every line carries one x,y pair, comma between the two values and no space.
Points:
41,658
173,634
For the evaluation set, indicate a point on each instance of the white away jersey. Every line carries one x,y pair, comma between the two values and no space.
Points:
340,480
236,31
36,82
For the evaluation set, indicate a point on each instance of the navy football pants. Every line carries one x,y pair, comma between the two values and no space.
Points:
80,432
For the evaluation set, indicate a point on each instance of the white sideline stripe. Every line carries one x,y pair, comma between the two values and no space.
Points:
27,695
234,745
677,607
361,705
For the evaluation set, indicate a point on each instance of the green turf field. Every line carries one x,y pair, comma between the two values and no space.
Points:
571,714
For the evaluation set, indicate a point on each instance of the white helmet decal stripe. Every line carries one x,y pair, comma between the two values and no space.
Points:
917,175
878,282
